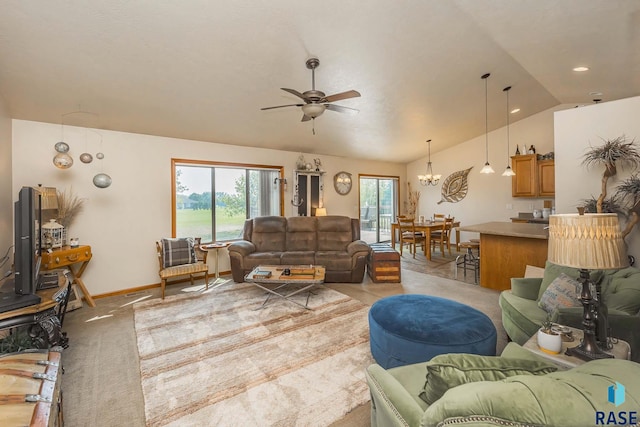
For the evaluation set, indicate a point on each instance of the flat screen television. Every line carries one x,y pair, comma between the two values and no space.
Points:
27,217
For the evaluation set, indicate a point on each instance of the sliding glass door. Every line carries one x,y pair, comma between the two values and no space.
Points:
378,207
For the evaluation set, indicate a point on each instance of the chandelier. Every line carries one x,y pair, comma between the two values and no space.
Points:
429,178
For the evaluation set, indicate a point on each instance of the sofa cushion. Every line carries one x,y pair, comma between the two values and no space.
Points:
450,370
269,233
621,290
563,398
562,292
551,271
178,251
297,258
334,233
301,233
334,260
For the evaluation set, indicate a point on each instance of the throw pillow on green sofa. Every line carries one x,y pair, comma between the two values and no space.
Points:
562,292
446,371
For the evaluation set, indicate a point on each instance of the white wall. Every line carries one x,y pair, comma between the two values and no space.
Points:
122,222
488,196
6,193
578,129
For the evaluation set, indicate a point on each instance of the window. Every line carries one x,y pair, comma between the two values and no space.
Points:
199,186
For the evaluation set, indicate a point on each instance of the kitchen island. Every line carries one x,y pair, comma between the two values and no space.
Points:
507,248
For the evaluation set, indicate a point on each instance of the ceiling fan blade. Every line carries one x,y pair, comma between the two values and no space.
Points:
344,95
296,93
305,118
280,106
341,109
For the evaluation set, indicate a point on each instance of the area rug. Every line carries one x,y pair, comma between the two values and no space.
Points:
219,359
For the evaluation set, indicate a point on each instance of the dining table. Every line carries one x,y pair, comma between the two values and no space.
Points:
426,227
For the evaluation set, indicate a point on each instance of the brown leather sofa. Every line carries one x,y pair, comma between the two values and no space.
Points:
331,241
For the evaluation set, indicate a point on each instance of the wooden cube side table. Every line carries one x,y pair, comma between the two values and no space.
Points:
67,257
621,350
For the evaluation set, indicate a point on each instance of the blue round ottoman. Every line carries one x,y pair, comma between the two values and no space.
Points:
406,329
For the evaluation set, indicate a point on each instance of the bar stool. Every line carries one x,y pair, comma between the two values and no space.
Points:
469,260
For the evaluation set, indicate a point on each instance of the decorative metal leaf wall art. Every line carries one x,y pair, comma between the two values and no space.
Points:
455,186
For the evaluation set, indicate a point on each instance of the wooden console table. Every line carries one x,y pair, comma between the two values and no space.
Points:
67,257
45,318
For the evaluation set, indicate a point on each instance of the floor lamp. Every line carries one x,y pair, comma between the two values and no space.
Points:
588,242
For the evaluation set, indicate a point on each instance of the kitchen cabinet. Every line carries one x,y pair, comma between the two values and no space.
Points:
533,177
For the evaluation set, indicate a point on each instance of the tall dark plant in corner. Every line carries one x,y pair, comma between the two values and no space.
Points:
613,153
629,192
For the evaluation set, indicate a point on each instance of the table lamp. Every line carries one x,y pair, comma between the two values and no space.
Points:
588,242
321,211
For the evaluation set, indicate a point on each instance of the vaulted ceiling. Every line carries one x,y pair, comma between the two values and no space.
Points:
202,70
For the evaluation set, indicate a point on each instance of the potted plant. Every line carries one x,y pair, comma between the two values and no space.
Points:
548,340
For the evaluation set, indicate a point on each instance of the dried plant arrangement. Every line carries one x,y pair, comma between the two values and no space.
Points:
69,206
611,154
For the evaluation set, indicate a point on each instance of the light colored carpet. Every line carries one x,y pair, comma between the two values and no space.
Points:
218,359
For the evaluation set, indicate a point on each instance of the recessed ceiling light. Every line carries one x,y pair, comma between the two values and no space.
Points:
580,69
595,93
515,110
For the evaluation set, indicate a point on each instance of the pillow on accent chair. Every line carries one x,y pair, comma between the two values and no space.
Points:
178,251
446,371
564,291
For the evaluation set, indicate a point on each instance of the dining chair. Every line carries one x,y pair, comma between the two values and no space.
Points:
439,217
442,237
409,236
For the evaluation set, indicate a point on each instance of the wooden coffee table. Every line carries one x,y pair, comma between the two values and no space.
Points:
307,276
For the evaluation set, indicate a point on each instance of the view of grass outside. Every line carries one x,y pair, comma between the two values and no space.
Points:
197,223
236,193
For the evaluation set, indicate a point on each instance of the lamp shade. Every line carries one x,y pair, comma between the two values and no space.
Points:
321,212
590,241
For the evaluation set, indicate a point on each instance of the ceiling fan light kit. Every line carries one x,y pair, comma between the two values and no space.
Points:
486,169
315,101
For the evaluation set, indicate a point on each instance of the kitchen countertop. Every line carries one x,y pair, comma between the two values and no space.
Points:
513,229
532,219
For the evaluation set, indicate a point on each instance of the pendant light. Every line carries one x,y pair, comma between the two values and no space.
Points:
508,171
429,178
487,167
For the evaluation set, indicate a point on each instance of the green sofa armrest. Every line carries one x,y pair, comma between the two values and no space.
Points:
526,287
391,403
243,247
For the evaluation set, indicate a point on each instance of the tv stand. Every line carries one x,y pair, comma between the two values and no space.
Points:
9,300
43,318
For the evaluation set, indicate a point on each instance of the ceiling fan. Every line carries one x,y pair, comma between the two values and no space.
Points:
315,101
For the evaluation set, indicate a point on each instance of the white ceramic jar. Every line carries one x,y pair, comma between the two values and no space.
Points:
549,343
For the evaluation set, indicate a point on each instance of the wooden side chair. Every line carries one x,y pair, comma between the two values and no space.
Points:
409,236
439,217
181,257
443,237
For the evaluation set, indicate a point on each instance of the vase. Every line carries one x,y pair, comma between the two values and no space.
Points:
549,342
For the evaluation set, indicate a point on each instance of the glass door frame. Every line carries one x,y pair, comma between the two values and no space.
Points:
395,204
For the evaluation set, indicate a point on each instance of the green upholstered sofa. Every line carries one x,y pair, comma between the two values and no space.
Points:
522,317
561,398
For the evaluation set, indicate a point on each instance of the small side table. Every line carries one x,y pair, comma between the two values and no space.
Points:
67,256
216,246
621,350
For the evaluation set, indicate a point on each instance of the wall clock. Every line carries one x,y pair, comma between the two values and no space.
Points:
342,183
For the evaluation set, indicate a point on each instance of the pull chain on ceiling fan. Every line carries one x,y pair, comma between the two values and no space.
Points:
315,101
